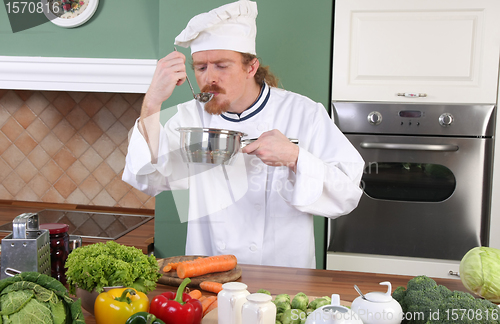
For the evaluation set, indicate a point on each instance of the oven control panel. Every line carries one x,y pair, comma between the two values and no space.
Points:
445,120
414,119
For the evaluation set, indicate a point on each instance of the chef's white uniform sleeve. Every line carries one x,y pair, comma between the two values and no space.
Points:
328,175
152,178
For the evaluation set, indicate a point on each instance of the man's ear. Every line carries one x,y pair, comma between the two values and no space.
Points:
252,68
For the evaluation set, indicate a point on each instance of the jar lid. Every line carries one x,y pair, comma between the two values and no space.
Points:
234,286
55,228
259,298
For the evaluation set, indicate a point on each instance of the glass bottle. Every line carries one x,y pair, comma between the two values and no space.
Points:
59,249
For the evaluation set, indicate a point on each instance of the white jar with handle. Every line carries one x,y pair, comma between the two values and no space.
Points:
230,301
259,309
378,307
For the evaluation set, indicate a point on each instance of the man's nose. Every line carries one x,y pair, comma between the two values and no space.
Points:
211,75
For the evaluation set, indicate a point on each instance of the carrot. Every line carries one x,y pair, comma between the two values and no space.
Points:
202,298
207,302
174,265
211,307
167,268
196,294
211,286
217,263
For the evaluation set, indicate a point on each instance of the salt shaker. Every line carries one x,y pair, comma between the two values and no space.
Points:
230,301
259,309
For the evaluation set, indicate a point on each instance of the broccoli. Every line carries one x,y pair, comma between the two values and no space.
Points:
425,302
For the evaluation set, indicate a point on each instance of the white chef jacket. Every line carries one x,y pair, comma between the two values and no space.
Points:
262,214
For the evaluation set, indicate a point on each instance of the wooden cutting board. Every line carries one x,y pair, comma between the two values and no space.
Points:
170,278
213,318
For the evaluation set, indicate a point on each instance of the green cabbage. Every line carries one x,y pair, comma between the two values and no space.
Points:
31,297
480,272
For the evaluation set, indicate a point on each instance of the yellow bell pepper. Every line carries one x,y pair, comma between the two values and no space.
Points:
117,305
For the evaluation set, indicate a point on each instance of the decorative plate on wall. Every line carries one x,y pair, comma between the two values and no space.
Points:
70,13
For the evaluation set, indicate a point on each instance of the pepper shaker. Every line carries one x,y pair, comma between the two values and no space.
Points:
230,301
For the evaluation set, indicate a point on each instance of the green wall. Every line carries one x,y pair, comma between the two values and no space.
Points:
118,29
294,39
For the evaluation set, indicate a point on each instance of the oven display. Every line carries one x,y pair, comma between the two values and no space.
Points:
410,113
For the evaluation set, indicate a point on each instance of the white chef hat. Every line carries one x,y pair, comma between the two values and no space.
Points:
229,27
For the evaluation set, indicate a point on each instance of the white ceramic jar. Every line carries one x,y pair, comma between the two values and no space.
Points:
259,309
378,307
230,301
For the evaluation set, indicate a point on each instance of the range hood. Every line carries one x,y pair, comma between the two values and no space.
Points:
76,74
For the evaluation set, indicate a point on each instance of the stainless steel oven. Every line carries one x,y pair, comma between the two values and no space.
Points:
427,179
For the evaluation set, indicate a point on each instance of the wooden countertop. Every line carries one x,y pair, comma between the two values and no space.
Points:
312,282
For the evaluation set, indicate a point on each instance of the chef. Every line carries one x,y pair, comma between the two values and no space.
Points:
260,207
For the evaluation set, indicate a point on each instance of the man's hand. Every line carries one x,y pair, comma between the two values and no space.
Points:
170,72
274,149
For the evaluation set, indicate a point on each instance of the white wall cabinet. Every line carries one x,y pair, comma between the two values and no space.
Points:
444,51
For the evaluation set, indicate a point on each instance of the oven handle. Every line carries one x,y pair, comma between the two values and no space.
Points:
413,147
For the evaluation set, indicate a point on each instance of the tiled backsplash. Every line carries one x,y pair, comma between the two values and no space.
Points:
67,147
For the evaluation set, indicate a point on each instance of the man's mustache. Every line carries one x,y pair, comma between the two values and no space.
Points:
213,88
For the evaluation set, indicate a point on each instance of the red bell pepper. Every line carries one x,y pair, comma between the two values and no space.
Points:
177,308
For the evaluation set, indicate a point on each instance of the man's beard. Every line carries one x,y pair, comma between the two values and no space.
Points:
216,106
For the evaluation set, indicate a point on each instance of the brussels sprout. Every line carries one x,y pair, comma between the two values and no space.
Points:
309,311
318,302
293,316
282,306
263,291
480,272
278,322
322,302
300,301
281,298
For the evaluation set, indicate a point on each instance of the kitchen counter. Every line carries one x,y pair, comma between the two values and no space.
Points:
312,282
275,279
141,237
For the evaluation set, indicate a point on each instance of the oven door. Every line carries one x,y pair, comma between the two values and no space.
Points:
423,197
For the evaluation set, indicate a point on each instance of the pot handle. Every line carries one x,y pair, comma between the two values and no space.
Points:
245,142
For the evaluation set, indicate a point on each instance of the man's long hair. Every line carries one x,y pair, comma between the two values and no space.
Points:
263,72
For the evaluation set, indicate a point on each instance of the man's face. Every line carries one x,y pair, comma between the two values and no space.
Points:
222,73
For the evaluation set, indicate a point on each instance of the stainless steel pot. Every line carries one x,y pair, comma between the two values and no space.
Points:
212,145
209,145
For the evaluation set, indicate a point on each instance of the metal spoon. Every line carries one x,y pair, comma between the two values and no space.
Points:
359,292
202,97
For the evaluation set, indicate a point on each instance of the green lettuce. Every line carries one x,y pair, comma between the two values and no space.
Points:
31,297
111,264
480,272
